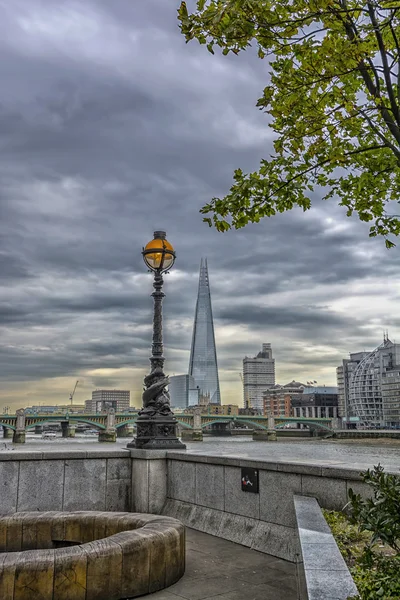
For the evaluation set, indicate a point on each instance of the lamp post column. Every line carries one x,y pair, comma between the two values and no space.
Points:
156,426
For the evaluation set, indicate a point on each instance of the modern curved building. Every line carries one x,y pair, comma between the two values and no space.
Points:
203,355
366,400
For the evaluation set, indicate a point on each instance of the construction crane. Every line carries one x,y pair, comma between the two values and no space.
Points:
246,400
71,396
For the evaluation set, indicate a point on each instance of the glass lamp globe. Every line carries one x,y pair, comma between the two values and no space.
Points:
159,254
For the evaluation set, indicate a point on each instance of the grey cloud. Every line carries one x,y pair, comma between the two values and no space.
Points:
112,127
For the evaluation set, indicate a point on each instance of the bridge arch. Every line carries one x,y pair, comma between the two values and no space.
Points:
86,421
253,424
7,425
69,420
185,425
127,422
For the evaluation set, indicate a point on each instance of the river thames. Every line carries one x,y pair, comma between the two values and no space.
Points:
355,454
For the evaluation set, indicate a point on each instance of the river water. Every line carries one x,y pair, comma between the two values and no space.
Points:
357,454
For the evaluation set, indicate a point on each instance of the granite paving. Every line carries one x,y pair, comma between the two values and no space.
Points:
222,570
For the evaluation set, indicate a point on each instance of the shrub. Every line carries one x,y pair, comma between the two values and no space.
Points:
369,537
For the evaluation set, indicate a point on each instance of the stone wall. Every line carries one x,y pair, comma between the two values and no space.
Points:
205,493
76,480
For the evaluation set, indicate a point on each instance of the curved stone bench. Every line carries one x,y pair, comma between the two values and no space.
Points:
88,555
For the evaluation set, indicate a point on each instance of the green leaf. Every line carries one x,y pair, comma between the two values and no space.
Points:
334,132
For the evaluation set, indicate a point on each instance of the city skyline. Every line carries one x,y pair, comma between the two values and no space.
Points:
104,143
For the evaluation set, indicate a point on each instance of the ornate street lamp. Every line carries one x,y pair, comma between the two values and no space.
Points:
156,426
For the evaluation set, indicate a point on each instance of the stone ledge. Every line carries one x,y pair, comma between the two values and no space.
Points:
6,455
326,573
137,453
335,471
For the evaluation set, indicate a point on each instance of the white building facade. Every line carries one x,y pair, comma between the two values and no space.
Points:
258,375
373,396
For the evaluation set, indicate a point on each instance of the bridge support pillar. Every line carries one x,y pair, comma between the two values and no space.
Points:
19,433
68,430
192,435
7,433
195,434
109,434
38,429
261,435
125,431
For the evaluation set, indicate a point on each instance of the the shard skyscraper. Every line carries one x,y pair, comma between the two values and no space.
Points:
203,355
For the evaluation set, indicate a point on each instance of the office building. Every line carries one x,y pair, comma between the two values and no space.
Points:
182,391
277,400
258,375
119,400
391,398
323,399
203,355
366,399
343,376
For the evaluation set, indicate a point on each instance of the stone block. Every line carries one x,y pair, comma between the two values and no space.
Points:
238,529
204,519
41,485
70,567
14,534
34,575
140,486
7,576
181,481
157,482
9,473
238,502
135,563
85,484
359,487
329,585
325,556
330,493
104,569
118,484
276,497
277,540
312,527
210,485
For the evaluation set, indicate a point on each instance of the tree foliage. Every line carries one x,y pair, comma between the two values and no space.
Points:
380,514
333,100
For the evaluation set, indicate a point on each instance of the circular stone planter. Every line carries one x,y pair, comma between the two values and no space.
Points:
88,555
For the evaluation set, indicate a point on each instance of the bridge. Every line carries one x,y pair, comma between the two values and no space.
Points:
109,423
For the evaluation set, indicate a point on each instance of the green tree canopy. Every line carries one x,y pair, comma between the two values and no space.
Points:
333,97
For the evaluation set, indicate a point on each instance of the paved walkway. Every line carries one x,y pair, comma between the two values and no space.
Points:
223,570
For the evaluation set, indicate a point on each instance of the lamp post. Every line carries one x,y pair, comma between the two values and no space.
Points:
156,426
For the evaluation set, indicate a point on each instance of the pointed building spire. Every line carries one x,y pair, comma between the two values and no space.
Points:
203,355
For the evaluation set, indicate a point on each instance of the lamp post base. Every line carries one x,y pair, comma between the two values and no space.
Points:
156,433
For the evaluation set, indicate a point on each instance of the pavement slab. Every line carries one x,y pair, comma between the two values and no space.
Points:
220,570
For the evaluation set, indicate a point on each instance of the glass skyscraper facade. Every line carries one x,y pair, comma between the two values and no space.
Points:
203,355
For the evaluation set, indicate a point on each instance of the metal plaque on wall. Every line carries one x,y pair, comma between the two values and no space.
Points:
250,480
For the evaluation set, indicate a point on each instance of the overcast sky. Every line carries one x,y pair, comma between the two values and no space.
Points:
112,127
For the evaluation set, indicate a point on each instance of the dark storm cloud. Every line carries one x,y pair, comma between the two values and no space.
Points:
112,127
